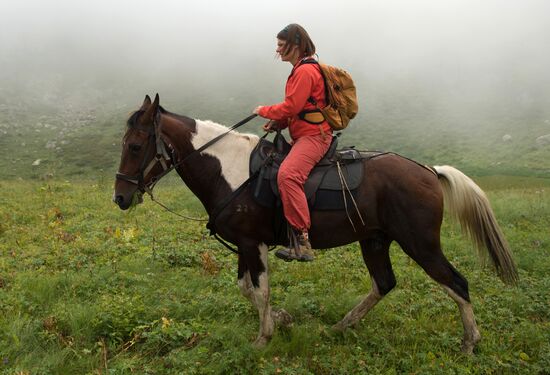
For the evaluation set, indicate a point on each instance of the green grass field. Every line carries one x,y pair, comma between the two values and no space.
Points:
88,289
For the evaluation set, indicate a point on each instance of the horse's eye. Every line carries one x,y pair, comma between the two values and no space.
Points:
134,147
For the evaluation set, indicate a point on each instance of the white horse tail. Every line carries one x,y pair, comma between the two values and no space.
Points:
469,205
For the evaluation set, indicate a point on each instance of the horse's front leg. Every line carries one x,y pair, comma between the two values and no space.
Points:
253,281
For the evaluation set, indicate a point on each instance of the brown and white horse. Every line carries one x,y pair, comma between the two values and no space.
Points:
400,200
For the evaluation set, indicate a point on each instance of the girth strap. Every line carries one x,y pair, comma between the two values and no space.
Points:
223,204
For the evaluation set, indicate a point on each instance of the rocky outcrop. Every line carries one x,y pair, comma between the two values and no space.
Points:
543,141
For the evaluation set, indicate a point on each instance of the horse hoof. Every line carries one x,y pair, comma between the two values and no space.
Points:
283,318
468,346
339,327
285,254
260,342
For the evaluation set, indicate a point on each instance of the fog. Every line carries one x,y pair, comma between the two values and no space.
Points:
429,56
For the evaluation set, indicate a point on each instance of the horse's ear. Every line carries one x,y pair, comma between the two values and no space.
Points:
146,103
151,111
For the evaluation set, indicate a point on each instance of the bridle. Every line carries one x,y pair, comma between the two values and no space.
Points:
161,157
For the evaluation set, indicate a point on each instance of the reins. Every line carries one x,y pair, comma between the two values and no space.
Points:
197,151
211,142
174,212
162,157
205,146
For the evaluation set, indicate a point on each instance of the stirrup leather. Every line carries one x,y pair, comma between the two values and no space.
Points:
299,248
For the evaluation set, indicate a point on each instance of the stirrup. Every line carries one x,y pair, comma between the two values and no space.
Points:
286,254
298,249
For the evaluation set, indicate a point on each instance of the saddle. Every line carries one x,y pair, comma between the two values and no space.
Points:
337,175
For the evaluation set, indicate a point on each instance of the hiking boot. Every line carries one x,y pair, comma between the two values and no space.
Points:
305,250
298,249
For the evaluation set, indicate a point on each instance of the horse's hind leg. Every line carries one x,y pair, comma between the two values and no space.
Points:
433,261
471,333
376,256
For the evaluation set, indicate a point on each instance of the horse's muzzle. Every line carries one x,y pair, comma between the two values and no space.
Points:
125,202
121,202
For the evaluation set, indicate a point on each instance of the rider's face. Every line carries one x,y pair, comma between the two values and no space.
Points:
290,55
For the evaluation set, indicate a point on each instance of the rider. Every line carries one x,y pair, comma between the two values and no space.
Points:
309,141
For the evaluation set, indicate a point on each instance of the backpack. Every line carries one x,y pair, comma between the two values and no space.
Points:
340,95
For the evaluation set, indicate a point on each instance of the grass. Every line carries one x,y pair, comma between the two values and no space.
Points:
87,289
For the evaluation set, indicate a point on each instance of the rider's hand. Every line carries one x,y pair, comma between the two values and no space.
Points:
256,110
270,126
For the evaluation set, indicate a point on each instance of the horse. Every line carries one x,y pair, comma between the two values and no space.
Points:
399,200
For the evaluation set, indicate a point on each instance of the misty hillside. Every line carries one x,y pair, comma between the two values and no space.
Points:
77,134
454,82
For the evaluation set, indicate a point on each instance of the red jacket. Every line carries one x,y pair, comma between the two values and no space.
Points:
304,81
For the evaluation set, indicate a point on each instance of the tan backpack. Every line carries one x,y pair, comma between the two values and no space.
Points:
341,96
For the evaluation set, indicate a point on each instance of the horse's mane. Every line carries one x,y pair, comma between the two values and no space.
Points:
134,117
214,127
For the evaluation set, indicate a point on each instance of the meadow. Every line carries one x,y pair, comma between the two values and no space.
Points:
88,289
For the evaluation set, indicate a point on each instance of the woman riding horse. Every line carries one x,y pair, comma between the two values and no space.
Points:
401,201
310,141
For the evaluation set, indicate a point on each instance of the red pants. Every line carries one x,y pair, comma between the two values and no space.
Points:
304,155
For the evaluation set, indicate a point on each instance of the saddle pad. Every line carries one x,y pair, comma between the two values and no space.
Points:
323,188
326,200
351,172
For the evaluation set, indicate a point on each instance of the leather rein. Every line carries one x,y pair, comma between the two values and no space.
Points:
163,158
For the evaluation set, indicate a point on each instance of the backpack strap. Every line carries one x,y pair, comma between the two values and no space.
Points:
313,116
308,61
313,61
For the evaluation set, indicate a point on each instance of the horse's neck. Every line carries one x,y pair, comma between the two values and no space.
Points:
232,151
222,167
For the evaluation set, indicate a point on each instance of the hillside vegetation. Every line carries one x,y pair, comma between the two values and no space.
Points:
88,289
71,137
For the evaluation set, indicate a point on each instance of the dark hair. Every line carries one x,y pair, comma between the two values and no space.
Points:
296,35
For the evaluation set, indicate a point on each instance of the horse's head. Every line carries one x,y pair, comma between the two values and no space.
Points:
144,157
